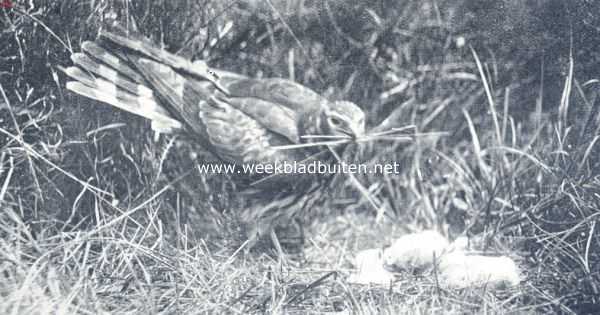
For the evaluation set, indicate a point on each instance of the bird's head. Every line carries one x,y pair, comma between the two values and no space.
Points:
345,119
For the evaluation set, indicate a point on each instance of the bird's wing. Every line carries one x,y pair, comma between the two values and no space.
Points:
287,93
236,129
256,103
242,130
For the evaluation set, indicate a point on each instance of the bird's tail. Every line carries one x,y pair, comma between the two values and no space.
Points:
103,76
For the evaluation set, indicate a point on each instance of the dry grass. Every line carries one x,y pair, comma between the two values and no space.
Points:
98,218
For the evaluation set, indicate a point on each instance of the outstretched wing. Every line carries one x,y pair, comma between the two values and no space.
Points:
238,119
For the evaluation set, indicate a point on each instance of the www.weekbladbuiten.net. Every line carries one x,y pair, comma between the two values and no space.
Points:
312,167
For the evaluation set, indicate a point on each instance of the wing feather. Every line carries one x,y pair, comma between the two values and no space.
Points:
276,118
275,90
198,68
240,138
289,94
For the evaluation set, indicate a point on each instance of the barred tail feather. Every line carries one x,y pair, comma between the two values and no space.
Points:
106,92
198,68
112,75
132,104
114,88
111,60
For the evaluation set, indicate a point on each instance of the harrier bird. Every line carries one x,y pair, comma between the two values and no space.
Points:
240,120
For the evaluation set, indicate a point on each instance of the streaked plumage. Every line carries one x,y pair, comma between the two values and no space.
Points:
238,119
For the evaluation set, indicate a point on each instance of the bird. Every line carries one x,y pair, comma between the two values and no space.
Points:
238,119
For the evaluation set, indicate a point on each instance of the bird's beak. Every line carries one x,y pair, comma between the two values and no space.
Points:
354,132
357,131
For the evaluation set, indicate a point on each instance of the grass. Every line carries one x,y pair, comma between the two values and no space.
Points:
99,218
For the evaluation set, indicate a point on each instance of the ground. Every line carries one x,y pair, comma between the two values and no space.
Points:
98,217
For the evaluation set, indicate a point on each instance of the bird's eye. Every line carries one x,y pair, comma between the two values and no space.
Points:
335,121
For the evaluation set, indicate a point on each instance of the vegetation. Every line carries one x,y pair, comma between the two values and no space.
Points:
97,217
